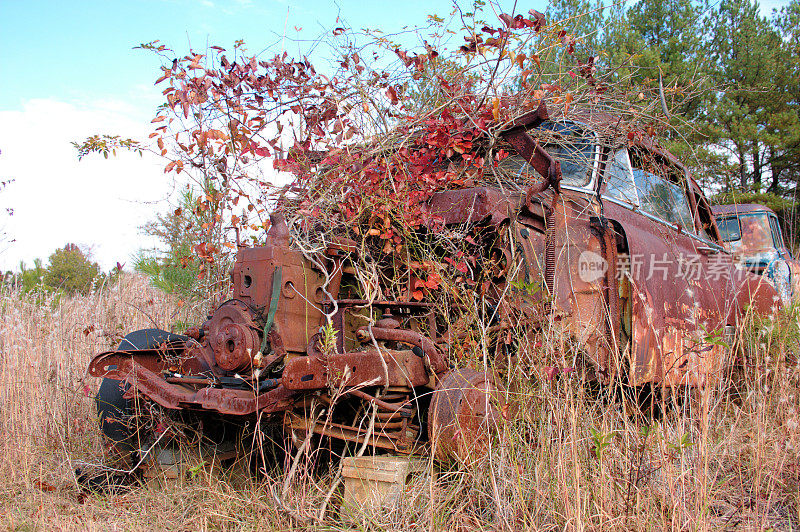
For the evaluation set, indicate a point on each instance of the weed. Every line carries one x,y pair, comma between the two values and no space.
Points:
564,458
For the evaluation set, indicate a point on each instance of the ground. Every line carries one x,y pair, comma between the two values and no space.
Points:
572,457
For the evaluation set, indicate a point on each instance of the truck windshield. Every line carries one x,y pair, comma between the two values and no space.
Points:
747,234
567,142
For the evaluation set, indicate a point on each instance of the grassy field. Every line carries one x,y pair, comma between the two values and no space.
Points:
576,458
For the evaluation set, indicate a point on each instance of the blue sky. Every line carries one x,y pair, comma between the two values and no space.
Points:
67,70
81,50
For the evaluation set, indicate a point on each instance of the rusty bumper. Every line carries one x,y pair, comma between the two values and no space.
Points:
176,396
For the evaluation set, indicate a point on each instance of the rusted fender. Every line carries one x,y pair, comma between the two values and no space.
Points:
108,364
472,205
755,292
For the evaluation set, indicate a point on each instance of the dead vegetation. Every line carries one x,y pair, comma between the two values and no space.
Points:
572,457
570,454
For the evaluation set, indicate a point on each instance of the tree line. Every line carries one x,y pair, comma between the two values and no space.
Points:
729,78
69,270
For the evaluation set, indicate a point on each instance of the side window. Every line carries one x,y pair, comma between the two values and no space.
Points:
729,229
659,191
704,216
619,179
776,232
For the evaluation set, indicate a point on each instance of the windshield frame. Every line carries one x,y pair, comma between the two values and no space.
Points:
592,136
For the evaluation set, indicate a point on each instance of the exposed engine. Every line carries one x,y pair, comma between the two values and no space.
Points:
294,339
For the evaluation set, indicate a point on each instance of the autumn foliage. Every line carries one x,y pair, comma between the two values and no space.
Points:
358,147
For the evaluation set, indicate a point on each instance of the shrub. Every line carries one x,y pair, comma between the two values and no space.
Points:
71,270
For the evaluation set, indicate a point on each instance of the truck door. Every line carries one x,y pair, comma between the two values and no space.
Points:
676,305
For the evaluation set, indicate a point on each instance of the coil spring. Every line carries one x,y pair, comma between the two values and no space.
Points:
397,423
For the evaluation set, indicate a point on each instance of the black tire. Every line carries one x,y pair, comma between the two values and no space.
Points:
114,411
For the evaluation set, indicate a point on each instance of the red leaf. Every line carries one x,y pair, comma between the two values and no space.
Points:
163,77
392,94
433,281
538,19
513,23
42,485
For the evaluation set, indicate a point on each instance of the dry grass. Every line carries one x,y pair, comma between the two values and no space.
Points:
576,457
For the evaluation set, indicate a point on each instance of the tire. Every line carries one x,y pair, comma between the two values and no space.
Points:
114,411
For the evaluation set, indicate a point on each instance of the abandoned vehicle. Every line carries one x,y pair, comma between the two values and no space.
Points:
753,235
583,227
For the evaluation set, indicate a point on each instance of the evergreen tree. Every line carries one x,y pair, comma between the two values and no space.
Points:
173,267
744,118
784,136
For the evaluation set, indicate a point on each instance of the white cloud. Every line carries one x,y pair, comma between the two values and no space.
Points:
57,199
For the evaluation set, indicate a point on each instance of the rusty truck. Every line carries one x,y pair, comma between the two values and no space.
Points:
612,229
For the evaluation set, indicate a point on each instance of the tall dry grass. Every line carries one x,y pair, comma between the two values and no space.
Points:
47,416
574,457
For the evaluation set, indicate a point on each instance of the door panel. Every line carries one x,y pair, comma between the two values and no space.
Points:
681,284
